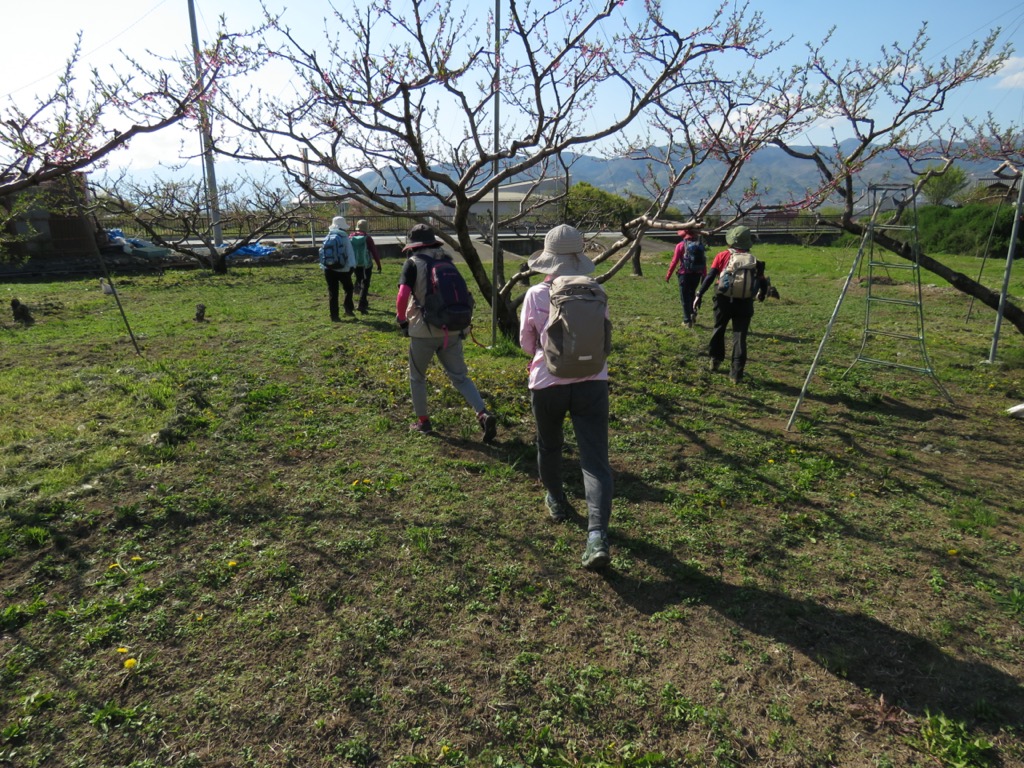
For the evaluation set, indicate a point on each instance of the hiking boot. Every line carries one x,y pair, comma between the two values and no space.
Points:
488,424
559,510
423,427
736,375
596,556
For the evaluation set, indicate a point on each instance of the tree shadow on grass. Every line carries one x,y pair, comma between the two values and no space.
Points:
910,671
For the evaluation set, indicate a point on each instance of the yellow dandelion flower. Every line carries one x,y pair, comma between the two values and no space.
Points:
355,483
232,564
952,552
122,649
771,461
112,566
367,482
130,663
199,617
136,558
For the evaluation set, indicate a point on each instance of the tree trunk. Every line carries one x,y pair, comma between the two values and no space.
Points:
508,322
1011,312
638,270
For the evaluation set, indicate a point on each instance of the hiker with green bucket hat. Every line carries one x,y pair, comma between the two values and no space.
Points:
738,279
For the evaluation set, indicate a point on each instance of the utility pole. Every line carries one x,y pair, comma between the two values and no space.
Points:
206,137
495,245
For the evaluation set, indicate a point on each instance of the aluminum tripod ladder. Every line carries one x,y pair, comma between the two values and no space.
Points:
891,319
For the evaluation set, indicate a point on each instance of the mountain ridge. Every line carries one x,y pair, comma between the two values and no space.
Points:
780,177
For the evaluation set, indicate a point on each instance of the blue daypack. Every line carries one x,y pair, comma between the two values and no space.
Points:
332,251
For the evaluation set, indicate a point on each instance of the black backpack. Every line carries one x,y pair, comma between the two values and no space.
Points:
448,303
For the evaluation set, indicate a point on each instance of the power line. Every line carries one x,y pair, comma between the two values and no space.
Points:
87,54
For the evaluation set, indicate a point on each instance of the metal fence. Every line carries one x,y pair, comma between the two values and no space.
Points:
301,226
297,227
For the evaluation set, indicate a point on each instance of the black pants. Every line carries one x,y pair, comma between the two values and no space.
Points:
333,278
739,312
688,284
363,275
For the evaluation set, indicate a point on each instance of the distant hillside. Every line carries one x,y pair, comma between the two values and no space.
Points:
780,176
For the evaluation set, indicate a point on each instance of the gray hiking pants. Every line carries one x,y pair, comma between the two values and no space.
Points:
586,403
450,355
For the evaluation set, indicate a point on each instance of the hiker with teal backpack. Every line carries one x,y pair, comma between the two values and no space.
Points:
738,279
434,309
365,250
564,328
690,265
337,259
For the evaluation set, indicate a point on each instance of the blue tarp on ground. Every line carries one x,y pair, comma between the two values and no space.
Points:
254,250
117,236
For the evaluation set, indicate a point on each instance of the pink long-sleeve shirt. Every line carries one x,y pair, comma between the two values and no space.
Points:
532,321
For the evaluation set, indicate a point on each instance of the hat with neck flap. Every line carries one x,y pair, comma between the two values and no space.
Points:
562,254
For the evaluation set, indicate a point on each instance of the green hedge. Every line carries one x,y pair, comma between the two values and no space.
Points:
966,231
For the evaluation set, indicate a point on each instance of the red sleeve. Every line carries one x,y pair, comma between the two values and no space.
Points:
402,302
372,247
677,254
720,260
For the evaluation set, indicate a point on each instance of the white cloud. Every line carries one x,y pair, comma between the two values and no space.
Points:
1011,74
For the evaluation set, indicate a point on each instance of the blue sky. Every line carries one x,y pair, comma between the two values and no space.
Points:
40,35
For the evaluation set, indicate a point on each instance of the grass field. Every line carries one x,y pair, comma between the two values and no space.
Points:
229,551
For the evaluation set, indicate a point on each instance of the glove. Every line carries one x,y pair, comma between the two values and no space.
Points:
403,327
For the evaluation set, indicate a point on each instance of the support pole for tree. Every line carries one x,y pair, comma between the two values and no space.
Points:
1010,254
206,137
76,195
309,197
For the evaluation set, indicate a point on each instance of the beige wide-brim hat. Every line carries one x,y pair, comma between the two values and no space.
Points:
562,253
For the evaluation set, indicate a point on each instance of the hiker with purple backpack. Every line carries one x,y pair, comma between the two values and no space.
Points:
690,265
433,308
